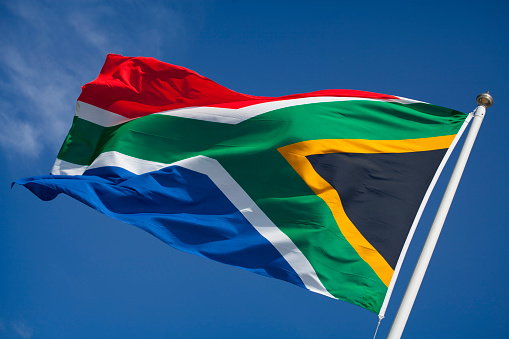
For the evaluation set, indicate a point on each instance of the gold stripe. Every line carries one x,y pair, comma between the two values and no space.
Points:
296,154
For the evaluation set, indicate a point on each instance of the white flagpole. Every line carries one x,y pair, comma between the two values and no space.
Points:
484,101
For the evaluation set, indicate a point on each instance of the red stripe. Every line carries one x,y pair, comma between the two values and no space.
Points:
138,86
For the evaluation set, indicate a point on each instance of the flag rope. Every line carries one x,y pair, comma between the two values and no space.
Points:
377,326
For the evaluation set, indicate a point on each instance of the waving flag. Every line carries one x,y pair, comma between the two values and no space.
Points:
319,189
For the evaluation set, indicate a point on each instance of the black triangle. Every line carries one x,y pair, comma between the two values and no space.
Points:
380,192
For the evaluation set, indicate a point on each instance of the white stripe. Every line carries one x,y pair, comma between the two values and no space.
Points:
222,115
98,115
62,167
241,200
127,162
232,190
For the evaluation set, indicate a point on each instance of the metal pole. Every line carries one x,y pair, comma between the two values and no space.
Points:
484,101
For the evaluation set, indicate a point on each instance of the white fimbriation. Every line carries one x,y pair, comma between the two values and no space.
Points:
230,188
221,115
422,264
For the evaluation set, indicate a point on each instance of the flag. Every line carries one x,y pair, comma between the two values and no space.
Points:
318,189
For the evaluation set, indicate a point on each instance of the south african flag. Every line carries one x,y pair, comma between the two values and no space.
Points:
318,189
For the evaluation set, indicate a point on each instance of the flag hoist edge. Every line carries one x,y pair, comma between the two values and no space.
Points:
318,189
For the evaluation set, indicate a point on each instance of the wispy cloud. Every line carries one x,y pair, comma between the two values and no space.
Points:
19,135
88,25
33,114
40,82
22,329
50,49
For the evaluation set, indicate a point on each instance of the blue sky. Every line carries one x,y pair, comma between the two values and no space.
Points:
67,271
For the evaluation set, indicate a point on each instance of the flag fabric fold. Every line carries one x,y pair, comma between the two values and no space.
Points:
317,189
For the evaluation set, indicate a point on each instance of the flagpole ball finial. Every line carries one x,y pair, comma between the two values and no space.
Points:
484,99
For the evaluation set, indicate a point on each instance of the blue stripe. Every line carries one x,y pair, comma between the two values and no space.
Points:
181,207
